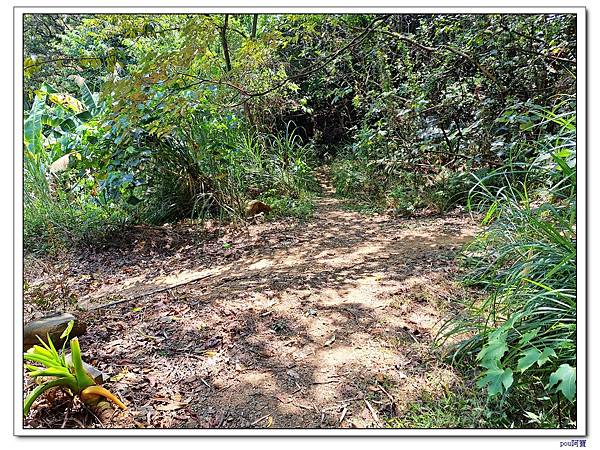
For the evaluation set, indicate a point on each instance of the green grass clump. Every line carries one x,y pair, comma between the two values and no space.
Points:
287,206
366,182
522,336
207,170
58,222
470,407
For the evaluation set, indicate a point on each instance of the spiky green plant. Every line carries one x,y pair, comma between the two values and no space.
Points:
57,372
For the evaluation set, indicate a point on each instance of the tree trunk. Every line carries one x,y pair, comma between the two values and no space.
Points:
254,23
224,44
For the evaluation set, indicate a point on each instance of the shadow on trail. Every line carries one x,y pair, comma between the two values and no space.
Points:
319,324
297,333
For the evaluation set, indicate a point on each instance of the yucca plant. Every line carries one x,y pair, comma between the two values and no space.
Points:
57,372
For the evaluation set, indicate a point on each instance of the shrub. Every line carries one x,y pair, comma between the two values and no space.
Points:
523,335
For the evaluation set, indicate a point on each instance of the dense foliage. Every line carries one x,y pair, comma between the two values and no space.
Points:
157,118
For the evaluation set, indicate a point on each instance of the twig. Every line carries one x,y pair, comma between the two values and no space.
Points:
282,401
260,420
67,413
412,336
386,393
343,415
326,382
225,387
373,413
301,406
223,417
93,414
145,294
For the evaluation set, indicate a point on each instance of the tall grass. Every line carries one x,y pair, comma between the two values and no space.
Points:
367,181
212,167
522,335
55,219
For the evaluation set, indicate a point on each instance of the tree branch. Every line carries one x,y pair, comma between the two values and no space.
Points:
254,24
224,44
485,71
91,58
318,66
215,82
544,55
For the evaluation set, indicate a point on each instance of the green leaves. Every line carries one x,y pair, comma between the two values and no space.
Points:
32,127
86,95
83,378
530,357
491,354
74,378
529,336
564,378
496,380
545,356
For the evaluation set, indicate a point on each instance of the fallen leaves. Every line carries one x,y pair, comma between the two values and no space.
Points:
120,375
173,403
269,419
171,406
214,341
207,338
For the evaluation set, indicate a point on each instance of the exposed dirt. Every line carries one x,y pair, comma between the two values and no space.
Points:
324,323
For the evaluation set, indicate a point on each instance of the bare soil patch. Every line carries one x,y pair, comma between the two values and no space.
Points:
323,323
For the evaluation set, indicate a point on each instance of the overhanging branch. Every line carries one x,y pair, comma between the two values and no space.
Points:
320,65
484,70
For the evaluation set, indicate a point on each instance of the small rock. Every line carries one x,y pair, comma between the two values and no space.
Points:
51,325
255,207
166,319
98,376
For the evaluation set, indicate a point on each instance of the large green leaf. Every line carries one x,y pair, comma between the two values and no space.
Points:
547,353
564,377
528,336
530,357
533,355
491,354
495,380
86,95
32,127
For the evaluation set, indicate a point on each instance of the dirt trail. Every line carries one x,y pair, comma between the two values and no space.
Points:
326,323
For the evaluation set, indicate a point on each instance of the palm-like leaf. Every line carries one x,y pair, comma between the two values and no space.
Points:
74,378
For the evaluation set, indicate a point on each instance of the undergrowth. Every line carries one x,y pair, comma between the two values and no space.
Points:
522,336
365,181
470,407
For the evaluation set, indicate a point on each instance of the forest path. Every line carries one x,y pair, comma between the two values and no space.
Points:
324,323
